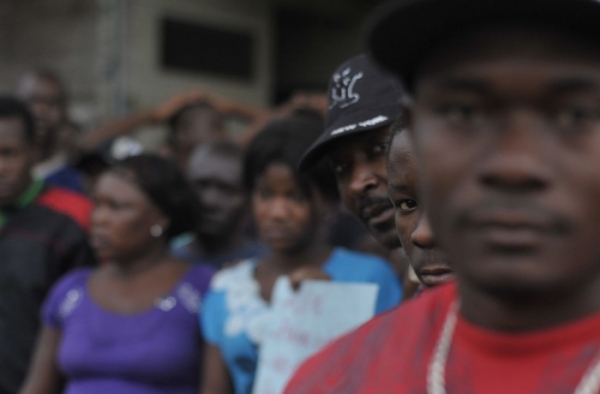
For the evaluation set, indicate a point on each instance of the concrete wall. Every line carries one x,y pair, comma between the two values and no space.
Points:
55,34
107,50
148,83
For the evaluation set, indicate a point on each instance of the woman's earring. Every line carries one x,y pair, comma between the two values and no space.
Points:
156,230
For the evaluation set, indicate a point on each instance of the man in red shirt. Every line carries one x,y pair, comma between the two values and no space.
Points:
505,123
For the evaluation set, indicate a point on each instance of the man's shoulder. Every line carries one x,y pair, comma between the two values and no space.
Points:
379,345
65,202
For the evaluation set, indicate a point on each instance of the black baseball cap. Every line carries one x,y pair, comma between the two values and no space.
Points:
401,33
361,97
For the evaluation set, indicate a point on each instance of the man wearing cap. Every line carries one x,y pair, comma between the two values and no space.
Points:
506,127
363,105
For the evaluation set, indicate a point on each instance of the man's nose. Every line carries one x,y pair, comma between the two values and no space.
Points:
516,162
362,179
422,237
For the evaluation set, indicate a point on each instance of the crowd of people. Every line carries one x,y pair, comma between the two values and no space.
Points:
452,167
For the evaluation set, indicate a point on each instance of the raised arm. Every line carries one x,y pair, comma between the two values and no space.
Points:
129,124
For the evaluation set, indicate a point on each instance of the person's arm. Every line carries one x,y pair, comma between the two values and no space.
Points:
215,375
230,108
43,376
116,128
160,114
300,101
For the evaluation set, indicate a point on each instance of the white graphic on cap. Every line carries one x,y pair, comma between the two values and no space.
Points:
371,122
342,93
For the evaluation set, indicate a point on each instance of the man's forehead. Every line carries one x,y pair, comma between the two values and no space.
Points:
357,142
533,49
402,161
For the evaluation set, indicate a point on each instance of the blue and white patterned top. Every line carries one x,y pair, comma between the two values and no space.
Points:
235,317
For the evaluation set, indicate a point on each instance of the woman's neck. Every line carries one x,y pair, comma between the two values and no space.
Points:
315,255
131,267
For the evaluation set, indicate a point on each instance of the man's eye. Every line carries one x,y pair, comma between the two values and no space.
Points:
382,147
340,168
407,205
462,113
567,118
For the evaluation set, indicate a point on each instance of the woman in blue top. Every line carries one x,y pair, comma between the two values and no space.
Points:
288,208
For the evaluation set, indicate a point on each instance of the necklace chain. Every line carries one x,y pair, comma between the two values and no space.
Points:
436,381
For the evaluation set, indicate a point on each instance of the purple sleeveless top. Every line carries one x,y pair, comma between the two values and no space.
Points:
153,352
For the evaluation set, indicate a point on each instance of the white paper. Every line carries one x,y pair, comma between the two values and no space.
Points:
306,320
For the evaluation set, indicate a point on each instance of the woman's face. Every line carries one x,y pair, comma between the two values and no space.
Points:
121,220
284,214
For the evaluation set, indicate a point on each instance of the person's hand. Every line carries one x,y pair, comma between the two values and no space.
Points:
307,273
232,263
164,111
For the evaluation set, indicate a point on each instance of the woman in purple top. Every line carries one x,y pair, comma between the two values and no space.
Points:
130,326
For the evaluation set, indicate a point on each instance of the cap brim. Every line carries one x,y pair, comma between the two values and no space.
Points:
348,125
401,33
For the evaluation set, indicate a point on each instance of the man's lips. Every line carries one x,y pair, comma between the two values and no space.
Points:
375,211
512,219
436,275
516,229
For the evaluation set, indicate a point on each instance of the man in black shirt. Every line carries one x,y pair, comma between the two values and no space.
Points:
43,234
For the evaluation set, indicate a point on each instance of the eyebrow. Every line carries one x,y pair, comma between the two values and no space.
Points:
474,85
400,187
573,85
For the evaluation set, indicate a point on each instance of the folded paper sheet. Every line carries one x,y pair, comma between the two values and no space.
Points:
304,321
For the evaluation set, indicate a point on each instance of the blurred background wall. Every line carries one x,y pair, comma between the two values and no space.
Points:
111,53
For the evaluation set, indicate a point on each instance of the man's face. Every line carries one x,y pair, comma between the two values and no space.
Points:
15,160
506,125
218,185
46,101
360,165
412,223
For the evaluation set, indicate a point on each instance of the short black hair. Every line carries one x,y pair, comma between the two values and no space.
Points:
166,187
284,141
11,107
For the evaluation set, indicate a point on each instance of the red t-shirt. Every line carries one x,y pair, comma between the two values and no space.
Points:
391,354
